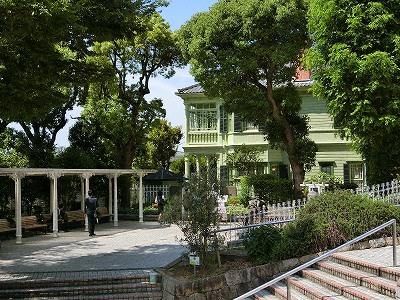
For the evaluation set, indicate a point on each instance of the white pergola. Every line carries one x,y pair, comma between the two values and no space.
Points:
53,174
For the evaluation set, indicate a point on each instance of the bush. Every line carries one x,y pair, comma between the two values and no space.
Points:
272,189
260,242
327,221
244,196
322,177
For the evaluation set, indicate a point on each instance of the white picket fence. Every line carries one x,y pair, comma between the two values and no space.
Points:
235,225
266,214
387,192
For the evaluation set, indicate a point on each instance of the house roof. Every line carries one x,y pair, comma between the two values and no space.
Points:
198,89
163,175
193,89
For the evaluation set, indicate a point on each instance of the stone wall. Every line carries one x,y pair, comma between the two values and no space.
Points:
228,285
237,282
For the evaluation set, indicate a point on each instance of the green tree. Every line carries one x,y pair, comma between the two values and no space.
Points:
117,108
244,159
247,52
355,61
163,143
44,45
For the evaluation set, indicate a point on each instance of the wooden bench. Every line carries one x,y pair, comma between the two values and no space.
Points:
5,226
103,213
31,223
76,217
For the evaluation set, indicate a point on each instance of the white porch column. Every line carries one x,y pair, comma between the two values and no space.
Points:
110,194
208,168
83,194
187,166
140,197
18,202
197,165
115,200
54,200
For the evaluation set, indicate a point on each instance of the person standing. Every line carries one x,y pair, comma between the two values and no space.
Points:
90,211
160,204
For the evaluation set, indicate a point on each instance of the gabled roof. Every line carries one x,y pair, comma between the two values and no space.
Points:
163,175
198,89
193,89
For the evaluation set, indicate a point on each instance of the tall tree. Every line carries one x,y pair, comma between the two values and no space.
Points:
355,61
117,108
247,52
163,143
43,45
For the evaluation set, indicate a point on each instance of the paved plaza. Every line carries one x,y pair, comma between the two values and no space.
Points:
130,246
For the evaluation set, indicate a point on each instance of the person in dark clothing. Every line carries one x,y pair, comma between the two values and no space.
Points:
62,218
90,211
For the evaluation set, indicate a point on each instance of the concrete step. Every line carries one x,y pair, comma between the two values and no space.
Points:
341,286
379,284
136,286
338,278
392,273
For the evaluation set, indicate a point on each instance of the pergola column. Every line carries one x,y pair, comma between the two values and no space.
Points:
18,203
110,195
140,197
115,200
54,200
86,177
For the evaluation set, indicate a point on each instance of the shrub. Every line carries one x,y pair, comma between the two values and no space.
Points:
327,221
322,177
201,217
260,242
244,196
272,189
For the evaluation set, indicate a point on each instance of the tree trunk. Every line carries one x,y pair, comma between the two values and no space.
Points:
288,141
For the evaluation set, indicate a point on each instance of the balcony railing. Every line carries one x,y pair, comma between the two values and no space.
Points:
203,137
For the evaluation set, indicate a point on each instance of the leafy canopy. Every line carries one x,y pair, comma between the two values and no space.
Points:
355,62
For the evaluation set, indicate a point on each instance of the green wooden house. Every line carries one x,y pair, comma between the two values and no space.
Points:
212,133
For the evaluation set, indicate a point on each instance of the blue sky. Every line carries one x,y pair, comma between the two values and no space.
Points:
176,14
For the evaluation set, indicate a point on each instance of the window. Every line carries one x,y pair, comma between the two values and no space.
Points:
356,173
326,167
248,126
203,117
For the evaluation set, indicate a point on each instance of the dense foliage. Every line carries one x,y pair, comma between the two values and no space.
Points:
327,221
272,189
44,46
355,61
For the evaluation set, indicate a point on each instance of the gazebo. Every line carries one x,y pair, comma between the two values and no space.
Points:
53,174
165,180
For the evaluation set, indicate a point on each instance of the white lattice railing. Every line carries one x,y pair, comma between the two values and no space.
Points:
270,213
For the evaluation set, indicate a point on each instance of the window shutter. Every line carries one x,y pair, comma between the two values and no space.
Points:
283,171
224,175
237,125
346,174
223,120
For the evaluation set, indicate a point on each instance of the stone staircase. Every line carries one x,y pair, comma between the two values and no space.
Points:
338,278
123,284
